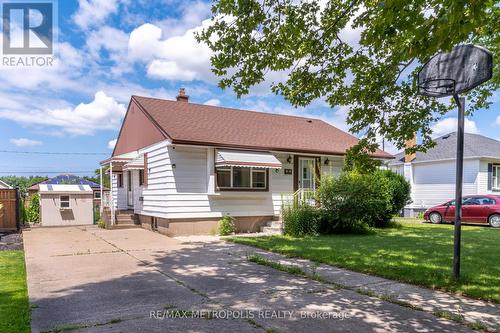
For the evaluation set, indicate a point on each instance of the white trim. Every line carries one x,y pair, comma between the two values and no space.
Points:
61,201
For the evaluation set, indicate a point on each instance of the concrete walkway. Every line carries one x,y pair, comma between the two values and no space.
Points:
94,280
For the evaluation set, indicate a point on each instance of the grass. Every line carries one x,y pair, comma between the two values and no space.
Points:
15,314
417,253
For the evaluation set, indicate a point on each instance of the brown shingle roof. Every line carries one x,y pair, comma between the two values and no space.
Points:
191,123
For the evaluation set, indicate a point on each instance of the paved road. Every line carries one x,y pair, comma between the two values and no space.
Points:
94,280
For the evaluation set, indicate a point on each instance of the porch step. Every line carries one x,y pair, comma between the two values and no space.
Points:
125,220
273,227
126,226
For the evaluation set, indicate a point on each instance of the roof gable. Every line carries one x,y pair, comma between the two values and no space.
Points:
189,123
138,131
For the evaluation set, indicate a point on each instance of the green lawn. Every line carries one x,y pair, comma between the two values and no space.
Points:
417,253
14,305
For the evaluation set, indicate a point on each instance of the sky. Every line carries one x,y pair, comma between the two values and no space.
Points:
108,50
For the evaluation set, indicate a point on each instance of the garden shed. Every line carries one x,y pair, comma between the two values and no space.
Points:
62,205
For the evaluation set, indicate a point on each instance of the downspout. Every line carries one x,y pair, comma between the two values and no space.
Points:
112,195
101,206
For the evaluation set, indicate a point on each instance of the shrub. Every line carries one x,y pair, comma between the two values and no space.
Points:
301,219
101,224
353,202
33,210
399,190
226,226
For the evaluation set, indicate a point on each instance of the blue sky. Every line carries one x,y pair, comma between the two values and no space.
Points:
108,50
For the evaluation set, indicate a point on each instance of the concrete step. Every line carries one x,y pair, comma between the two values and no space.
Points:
126,226
274,224
271,230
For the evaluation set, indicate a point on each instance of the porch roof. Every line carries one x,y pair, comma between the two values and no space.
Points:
135,164
242,158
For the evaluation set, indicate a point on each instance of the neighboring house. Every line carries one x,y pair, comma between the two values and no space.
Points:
69,179
432,174
4,185
62,205
181,166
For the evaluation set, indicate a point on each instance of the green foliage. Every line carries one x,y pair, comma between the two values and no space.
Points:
101,224
226,226
354,201
300,219
399,190
33,210
22,182
15,314
302,45
97,178
357,159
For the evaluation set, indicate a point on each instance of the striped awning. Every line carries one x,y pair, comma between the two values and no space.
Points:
244,158
135,164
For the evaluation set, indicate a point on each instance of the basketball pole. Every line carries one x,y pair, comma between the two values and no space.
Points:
458,186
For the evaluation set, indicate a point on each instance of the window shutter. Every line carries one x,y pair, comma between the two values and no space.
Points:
490,176
146,170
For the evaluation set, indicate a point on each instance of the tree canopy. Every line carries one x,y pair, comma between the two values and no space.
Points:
310,43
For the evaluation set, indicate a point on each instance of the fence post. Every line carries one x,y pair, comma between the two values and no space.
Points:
18,209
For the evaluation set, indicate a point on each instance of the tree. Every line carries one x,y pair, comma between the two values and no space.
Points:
97,178
22,182
375,76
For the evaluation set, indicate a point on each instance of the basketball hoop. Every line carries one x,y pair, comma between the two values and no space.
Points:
451,74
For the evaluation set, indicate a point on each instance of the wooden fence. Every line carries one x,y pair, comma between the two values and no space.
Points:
8,209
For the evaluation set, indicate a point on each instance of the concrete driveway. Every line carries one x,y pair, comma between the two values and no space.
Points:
92,280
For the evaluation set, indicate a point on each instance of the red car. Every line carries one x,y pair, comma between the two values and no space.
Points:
475,209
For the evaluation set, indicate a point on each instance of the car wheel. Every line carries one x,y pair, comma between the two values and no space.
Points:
435,218
494,220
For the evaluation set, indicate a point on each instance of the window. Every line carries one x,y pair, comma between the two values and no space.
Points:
496,177
141,177
64,201
97,195
234,178
119,179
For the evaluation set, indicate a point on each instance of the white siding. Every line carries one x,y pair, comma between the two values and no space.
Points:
178,182
482,185
434,183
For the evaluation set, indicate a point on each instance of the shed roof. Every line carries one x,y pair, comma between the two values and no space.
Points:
475,145
64,188
190,123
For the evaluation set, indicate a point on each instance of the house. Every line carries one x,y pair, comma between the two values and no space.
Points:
432,174
74,180
4,185
179,166
62,205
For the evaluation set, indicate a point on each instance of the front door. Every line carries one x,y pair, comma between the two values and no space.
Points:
306,173
130,190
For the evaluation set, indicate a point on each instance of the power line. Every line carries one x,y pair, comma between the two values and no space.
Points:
46,172
49,153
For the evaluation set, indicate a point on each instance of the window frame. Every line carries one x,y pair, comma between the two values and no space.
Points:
61,201
496,177
242,189
141,177
97,194
119,180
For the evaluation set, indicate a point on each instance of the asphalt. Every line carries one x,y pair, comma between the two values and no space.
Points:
133,280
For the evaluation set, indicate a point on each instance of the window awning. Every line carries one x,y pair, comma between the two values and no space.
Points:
135,164
243,158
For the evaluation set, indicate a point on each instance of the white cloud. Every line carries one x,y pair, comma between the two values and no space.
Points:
92,13
23,142
115,43
213,101
449,125
498,120
103,113
112,144
178,57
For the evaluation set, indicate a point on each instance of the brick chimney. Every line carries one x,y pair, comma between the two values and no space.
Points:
182,97
409,157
